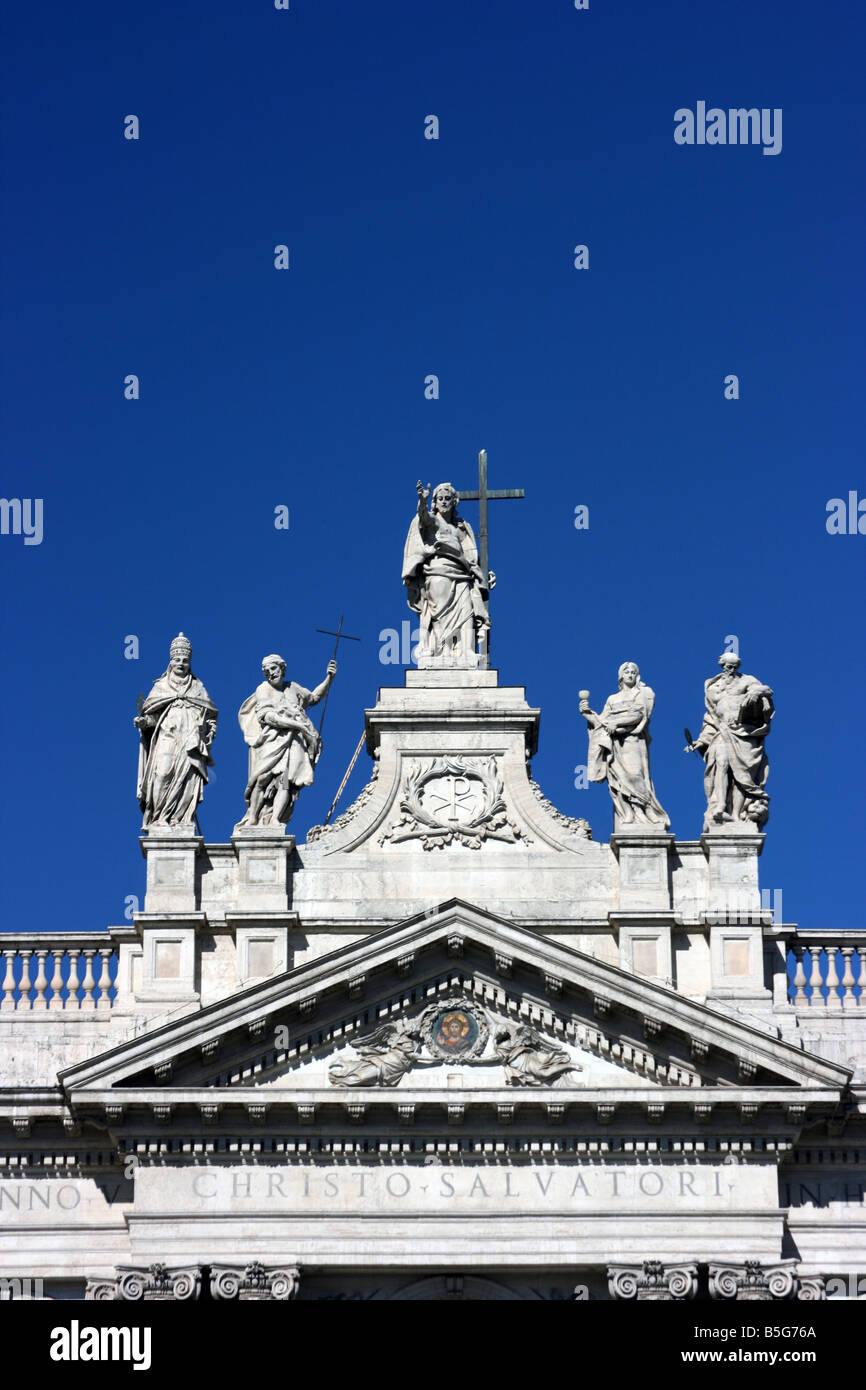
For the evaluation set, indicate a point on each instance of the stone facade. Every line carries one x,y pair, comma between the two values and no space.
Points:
449,1047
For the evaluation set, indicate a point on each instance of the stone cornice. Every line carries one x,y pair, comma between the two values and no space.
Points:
711,1109
331,976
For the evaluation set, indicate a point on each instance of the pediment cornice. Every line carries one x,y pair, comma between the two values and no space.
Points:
377,973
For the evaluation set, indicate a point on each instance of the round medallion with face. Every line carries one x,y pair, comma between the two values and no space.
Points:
454,1031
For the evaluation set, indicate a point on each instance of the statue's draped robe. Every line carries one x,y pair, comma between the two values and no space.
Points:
283,757
445,589
383,1064
622,759
528,1059
735,725
173,756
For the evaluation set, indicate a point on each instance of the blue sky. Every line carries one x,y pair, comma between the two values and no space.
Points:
305,388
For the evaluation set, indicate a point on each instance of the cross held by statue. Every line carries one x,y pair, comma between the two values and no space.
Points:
339,636
482,495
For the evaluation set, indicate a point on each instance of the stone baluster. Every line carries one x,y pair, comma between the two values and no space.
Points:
849,999
88,982
104,978
815,980
9,980
57,979
861,952
73,982
833,1000
800,996
24,997
40,984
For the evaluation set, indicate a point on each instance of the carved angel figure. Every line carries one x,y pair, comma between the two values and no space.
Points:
529,1059
385,1057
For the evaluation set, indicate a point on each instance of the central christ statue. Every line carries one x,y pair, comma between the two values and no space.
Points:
444,583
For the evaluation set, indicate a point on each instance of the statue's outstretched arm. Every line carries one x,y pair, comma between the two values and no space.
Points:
321,689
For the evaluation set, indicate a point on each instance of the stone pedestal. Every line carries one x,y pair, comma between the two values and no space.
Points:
645,944
732,859
261,943
458,742
168,967
734,916
263,852
170,852
644,876
452,812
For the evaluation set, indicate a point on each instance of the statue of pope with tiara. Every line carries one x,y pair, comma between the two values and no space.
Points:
177,723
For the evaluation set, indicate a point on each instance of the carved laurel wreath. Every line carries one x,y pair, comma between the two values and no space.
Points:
490,822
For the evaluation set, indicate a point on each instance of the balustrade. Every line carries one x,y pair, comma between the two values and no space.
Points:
57,985
826,975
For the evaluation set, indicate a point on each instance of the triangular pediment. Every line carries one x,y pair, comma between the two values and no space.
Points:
458,1029
555,1022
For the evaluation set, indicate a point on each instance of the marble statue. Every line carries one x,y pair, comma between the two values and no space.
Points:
283,742
739,710
385,1057
619,742
529,1059
176,723
444,584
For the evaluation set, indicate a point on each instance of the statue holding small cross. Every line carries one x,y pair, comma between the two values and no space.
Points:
283,742
448,583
